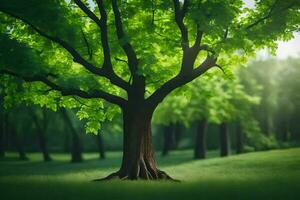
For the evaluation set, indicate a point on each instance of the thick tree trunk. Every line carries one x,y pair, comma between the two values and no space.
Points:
239,139
200,146
138,153
76,145
168,139
224,140
100,146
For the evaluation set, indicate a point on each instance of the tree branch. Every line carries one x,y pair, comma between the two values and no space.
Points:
88,12
76,56
109,74
271,13
102,23
69,91
179,80
179,16
127,47
89,49
198,38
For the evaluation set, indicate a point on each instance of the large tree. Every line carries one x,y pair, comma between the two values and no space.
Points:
131,54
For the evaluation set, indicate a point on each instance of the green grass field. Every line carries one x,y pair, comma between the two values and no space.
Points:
261,175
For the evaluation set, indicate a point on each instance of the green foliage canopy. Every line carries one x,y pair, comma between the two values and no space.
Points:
91,56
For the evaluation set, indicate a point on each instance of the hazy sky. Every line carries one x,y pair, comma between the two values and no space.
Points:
285,49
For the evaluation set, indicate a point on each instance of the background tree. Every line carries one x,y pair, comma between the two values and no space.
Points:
76,146
61,54
41,122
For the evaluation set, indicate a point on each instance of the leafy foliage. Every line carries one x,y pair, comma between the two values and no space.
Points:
79,47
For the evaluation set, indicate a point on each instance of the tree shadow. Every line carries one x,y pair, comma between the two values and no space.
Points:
62,165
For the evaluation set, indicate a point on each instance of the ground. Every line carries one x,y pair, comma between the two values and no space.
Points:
260,175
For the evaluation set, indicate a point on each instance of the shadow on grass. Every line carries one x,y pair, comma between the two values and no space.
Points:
273,189
61,163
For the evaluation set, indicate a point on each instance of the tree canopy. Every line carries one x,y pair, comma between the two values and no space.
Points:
98,50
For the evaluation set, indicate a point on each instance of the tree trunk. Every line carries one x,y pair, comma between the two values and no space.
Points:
66,143
138,154
2,133
224,140
76,145
200,146
168,137
239,139
18,144
177,135
43,146
100,146
42,128
285,131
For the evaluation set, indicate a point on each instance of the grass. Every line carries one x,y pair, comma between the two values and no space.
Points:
260,175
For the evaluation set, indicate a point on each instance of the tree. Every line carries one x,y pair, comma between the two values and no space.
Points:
76,147
64,54
100,145
171,137
170,115
287,112
2,130
41,120
15,135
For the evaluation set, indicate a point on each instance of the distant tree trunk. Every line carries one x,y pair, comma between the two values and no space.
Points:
200,145
66,147
177,135
168,137
100,146
2,133
268,125
18,143
76,145
224,140
41,129
285,131
239,139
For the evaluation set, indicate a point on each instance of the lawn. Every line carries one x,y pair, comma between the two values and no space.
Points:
260,175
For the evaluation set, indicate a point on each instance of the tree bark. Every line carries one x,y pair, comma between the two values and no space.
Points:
200,146
224,140
100,146
168,137
138,154
76,145
239,139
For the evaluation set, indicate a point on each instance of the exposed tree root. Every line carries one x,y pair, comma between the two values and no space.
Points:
160,176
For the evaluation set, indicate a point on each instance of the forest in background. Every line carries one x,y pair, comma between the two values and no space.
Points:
259,108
